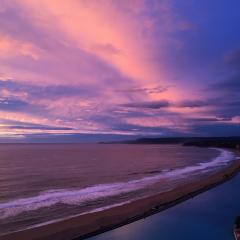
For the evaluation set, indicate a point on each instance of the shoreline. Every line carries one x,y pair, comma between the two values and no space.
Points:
91,224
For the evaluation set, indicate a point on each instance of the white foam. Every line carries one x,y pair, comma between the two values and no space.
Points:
97,192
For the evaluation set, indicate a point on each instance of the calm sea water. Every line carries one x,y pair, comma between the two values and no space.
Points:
46,182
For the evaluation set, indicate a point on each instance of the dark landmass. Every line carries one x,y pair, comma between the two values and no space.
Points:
219,142
224,142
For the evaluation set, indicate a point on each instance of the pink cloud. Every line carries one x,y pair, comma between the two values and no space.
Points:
102,47
10,47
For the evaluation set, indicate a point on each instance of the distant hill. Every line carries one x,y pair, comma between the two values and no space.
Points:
224,142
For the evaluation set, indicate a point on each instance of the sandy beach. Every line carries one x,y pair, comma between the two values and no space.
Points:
83,226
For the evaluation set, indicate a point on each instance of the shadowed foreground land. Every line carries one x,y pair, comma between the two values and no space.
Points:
209,215
87,225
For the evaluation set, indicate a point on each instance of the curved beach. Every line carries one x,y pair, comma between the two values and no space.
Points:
114,110
92,223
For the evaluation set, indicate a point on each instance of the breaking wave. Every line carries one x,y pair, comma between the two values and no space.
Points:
101,191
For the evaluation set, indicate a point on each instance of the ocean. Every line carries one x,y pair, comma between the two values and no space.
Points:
41,183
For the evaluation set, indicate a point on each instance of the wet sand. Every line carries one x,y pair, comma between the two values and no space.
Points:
87,225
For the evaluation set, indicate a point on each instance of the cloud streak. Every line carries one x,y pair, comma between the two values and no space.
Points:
117,67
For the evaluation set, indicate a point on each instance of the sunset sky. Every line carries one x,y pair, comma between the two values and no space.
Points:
119,67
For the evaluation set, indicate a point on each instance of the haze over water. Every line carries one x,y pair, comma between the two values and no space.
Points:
45,182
